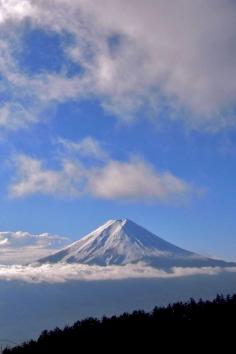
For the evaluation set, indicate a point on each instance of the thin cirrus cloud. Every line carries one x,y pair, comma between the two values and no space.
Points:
180,53
22,247
104,178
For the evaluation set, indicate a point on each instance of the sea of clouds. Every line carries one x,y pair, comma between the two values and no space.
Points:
61,273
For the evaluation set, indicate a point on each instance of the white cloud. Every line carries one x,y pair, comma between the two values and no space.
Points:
14,116
60,273
33,178
136,179
14,10
87,147
131,180
179,55
22,247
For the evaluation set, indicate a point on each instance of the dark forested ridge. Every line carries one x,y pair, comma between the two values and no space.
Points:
177,326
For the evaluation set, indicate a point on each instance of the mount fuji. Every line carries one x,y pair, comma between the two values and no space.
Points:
121,242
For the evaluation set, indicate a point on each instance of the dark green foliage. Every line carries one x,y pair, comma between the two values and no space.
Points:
178,327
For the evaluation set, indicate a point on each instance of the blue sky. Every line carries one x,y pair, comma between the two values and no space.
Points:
133,116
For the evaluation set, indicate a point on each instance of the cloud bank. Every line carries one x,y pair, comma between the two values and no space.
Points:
22,247
60,273
162,55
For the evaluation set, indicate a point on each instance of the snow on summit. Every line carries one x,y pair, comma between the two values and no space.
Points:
121,242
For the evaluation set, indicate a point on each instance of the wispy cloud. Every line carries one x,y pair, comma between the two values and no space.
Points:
87,147
134,179
160,55
22,247
60,273
14,116
33,178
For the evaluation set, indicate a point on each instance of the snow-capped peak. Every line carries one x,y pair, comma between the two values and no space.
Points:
122,242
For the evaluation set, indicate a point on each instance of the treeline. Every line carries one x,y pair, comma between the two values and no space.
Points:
179,326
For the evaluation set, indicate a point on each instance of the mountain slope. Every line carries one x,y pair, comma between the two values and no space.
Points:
120,242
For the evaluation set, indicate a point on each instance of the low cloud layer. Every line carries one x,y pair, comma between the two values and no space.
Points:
23,247
60,273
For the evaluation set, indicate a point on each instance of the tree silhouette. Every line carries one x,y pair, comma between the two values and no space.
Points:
178,327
